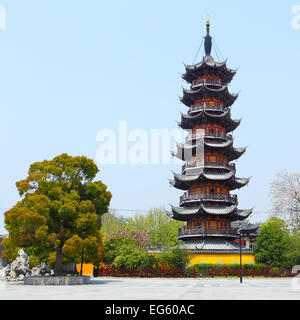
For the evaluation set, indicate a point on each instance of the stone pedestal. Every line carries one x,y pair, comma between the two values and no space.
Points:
56,281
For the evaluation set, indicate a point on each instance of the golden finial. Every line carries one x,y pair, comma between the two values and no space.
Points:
207,22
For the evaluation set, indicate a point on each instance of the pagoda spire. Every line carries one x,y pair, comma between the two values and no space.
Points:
207,43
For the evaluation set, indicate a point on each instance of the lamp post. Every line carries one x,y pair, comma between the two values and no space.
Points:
241,271
244,232
241,232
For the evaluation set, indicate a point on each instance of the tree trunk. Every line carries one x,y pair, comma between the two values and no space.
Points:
58,270
81,267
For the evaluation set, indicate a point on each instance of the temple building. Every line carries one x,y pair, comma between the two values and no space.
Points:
208,176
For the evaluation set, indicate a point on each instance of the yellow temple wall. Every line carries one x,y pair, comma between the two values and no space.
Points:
87,269
217,258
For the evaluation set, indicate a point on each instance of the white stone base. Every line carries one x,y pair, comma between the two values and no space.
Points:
56,281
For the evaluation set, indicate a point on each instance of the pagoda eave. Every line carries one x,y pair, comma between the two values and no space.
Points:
188,121
185,151
208,65
190,96
183,182
230,212
209,145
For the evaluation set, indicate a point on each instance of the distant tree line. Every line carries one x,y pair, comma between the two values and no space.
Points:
162,231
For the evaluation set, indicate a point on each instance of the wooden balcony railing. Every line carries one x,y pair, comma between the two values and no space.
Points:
195,163
206,230
198,107
208,197
207,81
208,135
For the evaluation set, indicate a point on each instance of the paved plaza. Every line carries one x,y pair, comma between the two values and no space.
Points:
103,288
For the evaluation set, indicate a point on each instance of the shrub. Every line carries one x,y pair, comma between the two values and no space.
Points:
130,256
259,266
274,271
175,258
203,266
272,243
189,272
152,262
248,266
233,266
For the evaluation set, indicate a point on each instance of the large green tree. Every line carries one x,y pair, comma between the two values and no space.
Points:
292,254
59,214
272,243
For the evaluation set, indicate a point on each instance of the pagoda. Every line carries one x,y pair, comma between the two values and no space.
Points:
208,175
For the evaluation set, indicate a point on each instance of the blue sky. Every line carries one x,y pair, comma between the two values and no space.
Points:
70,68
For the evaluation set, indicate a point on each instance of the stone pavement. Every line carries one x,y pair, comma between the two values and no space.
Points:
103,288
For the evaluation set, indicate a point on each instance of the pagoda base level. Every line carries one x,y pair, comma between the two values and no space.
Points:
220,258
217,252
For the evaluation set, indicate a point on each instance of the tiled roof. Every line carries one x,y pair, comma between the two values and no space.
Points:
214,246
184,213
184,151
183,181
187,121
189,96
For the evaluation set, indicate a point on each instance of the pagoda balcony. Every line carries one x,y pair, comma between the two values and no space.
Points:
203,231
193,136
195,196
207,107
207,82
199,163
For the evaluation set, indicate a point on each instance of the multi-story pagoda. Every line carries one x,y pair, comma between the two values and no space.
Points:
208,175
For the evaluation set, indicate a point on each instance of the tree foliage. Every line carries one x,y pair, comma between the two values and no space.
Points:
59,213
292,254
129,250
131,255
162,230
124,251
176,257
272,243
127,240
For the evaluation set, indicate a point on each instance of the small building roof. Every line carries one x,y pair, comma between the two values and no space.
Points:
250,229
